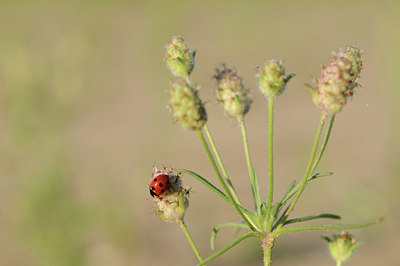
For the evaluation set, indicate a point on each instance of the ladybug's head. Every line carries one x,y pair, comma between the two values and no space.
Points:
152,193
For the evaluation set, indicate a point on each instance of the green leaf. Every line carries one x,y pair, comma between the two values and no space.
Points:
325,227
219,226
310,87
228,247
327,239
181,200
256,190
293,189
312,217
288,77
218,192
278,221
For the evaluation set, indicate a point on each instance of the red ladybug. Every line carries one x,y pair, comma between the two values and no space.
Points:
159,185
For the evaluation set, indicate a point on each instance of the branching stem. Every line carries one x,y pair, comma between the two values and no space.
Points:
310,163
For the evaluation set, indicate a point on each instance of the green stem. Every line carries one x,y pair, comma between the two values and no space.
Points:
195,249
267,255
221,180
321,152
328,227
221,164
304,182
271,101
228,247
253,178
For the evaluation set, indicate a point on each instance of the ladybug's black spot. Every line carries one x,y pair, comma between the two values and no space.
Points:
162,191
155,179
161,184
153,188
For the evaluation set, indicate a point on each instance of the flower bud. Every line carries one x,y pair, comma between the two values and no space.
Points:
333,85
174,202
186,106
231,93
338,80
342,246
180,60
272,78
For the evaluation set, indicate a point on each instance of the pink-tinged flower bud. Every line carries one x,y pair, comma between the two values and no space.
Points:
338,80
231,93
172,203
273,79
180,60
186,106
342,246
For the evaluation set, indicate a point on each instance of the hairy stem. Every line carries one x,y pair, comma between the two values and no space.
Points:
221,180
221,164
195,249
267,255
323,146
310,163
253,178
271,101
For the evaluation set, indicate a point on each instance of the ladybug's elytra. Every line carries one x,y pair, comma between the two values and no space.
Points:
159,185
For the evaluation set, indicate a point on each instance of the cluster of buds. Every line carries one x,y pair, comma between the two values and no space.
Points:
231,93
342,246
180,60
273,79
184,102
338,80
186,106
173,201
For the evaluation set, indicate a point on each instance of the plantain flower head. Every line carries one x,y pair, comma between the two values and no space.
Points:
231,93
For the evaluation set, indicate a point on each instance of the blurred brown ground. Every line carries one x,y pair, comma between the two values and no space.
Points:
83,118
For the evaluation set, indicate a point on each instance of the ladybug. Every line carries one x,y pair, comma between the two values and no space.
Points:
159,185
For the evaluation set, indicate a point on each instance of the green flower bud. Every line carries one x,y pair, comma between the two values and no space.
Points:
342,246
186,106
231,93
272,78
174,202
333,86
180,60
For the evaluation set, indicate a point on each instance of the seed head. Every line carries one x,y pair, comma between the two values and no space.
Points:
342,246
272,78
186,106
174,202
231,93
180,60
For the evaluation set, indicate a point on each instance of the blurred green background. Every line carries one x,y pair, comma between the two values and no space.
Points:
83,118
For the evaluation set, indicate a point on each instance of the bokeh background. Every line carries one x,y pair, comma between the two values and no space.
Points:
83,118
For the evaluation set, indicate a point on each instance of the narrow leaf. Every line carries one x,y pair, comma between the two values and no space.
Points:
312,217
325,227
219,226
293,190
256,188
218,192
228,247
